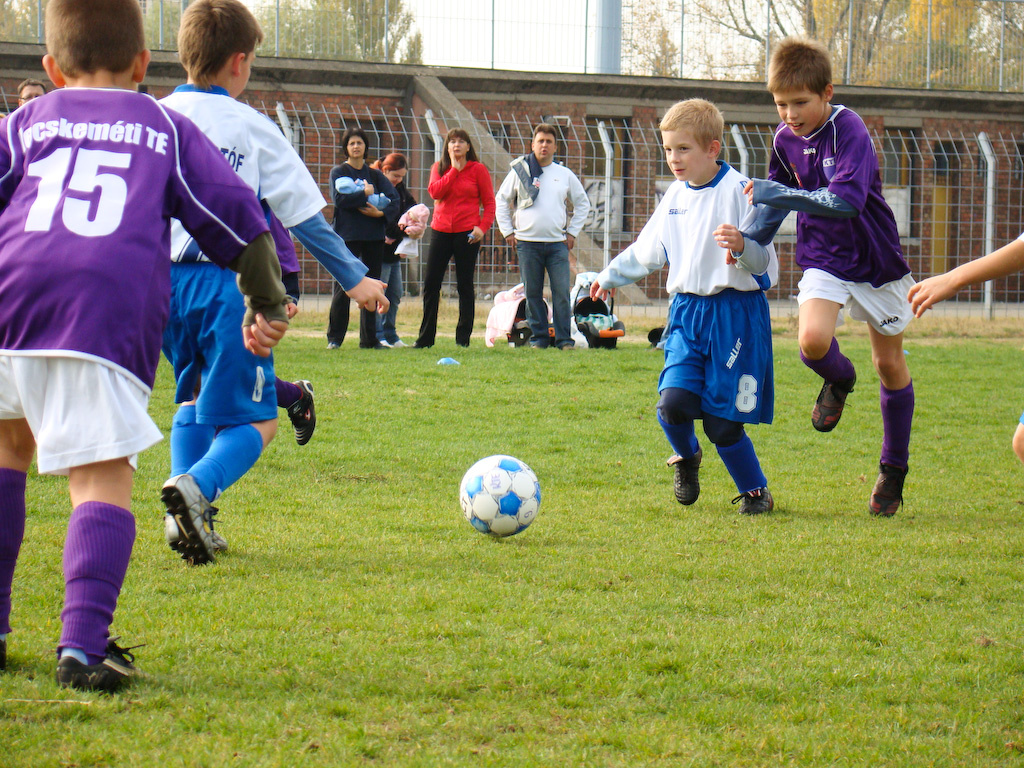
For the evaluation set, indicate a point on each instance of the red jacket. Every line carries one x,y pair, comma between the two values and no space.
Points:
458,197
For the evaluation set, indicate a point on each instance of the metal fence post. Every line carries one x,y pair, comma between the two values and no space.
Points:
849,42
928,50
609,159
990,209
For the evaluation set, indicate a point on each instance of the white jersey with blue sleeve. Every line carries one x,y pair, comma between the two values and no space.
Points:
258,152
681,233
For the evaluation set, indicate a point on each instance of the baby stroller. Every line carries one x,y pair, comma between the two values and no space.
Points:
596,324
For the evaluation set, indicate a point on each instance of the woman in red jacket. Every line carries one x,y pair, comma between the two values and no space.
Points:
464,209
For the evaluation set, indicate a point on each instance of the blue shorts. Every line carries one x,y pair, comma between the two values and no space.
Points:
720,347
203,342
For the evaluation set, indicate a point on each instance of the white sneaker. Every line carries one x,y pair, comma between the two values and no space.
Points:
193,516
399,344
384,343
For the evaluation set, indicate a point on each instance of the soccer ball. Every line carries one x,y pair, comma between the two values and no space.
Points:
500,495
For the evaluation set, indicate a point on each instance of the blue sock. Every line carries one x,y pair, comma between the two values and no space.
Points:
190,440
75,653
233,453
681,437
744,468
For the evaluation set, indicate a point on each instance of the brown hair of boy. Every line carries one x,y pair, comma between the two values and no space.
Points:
698,116
87,36
798,63
211,32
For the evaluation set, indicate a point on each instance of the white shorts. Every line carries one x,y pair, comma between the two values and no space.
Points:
885,308
80,411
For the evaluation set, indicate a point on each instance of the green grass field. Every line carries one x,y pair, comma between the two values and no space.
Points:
358,620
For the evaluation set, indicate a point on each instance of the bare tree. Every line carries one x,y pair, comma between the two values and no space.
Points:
650,43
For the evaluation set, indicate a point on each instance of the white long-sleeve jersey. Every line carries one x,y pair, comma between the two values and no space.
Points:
680,231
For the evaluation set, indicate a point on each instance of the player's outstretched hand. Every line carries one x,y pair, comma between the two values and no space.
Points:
369,295
931,291
597,292
727,236
263,335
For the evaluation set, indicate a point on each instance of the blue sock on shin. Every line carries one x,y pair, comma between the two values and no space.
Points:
190,440
741,462
233,453
681,437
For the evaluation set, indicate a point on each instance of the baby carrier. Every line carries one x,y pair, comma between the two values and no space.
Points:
596,325
507,319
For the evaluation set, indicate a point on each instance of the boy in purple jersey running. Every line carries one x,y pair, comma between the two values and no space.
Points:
90,177
824,166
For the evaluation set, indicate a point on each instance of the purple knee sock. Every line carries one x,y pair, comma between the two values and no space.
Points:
287,393
834,366
96,554
897,415
12,531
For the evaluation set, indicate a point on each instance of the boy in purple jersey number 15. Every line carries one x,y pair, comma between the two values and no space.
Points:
824,166
80,222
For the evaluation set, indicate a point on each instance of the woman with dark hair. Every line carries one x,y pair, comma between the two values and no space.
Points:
354,186
464,209
395,168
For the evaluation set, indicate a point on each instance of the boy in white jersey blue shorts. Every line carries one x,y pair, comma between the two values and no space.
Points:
89,178
228,411
718,344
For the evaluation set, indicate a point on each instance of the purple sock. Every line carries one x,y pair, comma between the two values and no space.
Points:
287,393
96,554
897,414
834,366
12,531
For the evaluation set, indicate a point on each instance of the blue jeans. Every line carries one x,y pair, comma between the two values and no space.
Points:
390,273
534,258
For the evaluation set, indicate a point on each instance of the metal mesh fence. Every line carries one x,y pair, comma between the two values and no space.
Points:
955,196
973,44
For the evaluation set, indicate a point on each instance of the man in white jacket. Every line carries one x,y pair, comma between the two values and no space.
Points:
531,214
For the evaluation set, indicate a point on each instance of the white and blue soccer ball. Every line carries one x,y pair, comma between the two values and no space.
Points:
500,495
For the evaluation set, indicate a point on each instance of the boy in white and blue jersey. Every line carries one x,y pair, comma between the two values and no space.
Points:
718,344
228,412
90,177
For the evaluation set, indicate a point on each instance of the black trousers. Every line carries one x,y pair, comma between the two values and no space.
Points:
444,246
371,253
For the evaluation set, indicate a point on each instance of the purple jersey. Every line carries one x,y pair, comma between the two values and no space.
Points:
286,255
89,181
841,157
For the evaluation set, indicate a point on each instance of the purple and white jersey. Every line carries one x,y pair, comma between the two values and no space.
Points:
841,157
89,181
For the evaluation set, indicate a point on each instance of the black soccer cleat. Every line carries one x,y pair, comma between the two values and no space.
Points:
687,479
755,502
887,495
110,675
302,413
828,408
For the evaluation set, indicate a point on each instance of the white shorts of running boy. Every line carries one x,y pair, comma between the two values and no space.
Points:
885,308
80,411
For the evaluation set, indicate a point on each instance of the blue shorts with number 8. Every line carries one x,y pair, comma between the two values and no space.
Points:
720,347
